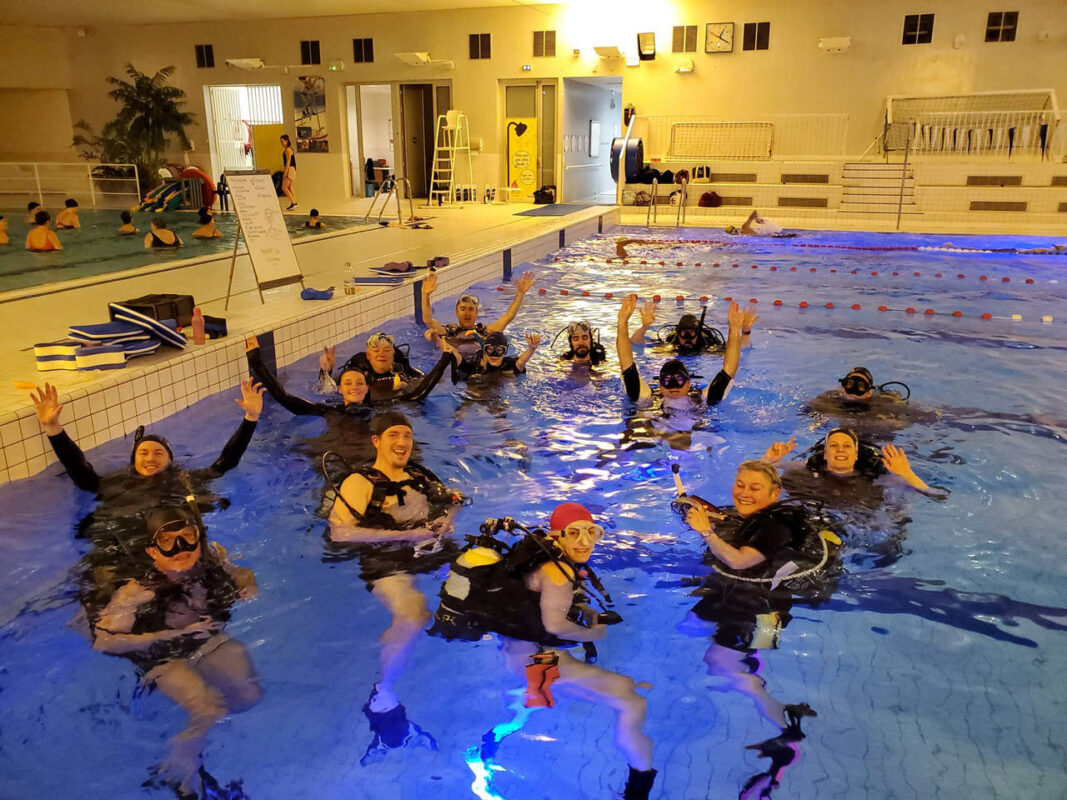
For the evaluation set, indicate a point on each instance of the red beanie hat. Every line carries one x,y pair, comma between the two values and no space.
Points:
566,513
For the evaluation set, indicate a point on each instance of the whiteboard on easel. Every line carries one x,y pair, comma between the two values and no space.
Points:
263,226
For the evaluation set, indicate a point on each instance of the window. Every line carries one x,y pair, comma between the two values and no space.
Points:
918,29
544,44
309,52
684,39
362,51
479,43
757,36
205,56
1001,26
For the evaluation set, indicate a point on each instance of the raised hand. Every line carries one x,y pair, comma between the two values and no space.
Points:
778,451
895,461
328,359
46,404
734,317
251,399
251,343
429,284
533,341
629,305
522,286
648,314
748,319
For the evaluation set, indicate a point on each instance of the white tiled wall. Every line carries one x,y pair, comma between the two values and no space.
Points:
120,401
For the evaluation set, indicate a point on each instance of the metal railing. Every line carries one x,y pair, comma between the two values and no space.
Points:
111,185
683,196
650,215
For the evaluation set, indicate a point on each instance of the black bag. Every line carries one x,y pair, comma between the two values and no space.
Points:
178,307
546,194
710,200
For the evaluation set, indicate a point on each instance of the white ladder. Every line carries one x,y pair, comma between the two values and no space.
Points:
452,146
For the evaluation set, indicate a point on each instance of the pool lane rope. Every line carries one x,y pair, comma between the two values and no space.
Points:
874,273
804,304
1055,250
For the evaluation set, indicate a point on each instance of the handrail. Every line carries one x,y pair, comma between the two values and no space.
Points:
411,205
649,216
683,196
622,161
874,141
904,175
88,166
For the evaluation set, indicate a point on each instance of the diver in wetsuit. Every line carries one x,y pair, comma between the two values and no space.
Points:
168,620
688,337
495,359
395,516
381,363
114,527
873,411
466,334
582,350
748,547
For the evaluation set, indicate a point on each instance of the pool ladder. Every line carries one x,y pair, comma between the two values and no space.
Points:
650,217
386,190
683,196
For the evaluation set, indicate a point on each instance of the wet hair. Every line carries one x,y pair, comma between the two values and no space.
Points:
288,141
31,206
350,367
688,322
140,436
42,218
313,213
159,221
126,217
70,202
764,469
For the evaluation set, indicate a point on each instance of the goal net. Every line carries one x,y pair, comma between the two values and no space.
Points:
705,141
981,123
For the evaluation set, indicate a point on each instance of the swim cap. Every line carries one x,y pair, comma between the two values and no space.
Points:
140,436
390,419
688,322
496,338
567,513
673,367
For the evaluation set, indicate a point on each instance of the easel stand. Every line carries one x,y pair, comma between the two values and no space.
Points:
259,286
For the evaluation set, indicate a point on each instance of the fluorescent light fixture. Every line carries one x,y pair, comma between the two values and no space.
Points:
609,52
245,63
416,59
835,44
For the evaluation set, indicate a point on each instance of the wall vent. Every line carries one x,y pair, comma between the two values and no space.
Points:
982,205
994,180
801,177
803,202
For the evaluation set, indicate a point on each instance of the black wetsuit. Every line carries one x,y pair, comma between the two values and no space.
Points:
115,524
206,590
876,418
469,347
382,559
509,366
713,395
736,606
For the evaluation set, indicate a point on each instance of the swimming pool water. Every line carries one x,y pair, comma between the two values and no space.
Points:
935,675
95,248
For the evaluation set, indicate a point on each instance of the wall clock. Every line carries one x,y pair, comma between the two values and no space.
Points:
719,37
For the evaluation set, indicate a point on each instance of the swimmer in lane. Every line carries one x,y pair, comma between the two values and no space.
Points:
207,229
68,217
160,237
127,228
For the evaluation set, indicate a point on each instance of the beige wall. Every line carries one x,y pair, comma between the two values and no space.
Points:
35,125
793,76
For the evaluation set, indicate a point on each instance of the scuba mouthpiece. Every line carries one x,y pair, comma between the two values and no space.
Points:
683,502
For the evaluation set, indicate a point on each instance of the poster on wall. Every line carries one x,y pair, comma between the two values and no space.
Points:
522,164
309,103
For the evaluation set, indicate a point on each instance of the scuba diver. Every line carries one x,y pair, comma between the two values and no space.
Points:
467,334
495,359
152,478
382,362
675,390
584,347
395,516
764,556
359,392
536,596
870,409
168,621
689,336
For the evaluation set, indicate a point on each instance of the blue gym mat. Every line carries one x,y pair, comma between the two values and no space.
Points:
554,210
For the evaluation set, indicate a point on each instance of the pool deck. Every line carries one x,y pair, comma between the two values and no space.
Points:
481,242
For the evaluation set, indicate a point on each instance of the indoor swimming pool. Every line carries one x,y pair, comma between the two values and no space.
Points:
935,665
95,248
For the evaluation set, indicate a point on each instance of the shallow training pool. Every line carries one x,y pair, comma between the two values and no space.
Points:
935,668
95,248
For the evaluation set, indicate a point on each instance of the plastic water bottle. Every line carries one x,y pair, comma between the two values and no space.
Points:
350,279
198,326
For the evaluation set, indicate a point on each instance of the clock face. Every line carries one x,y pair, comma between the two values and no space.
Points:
719,37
